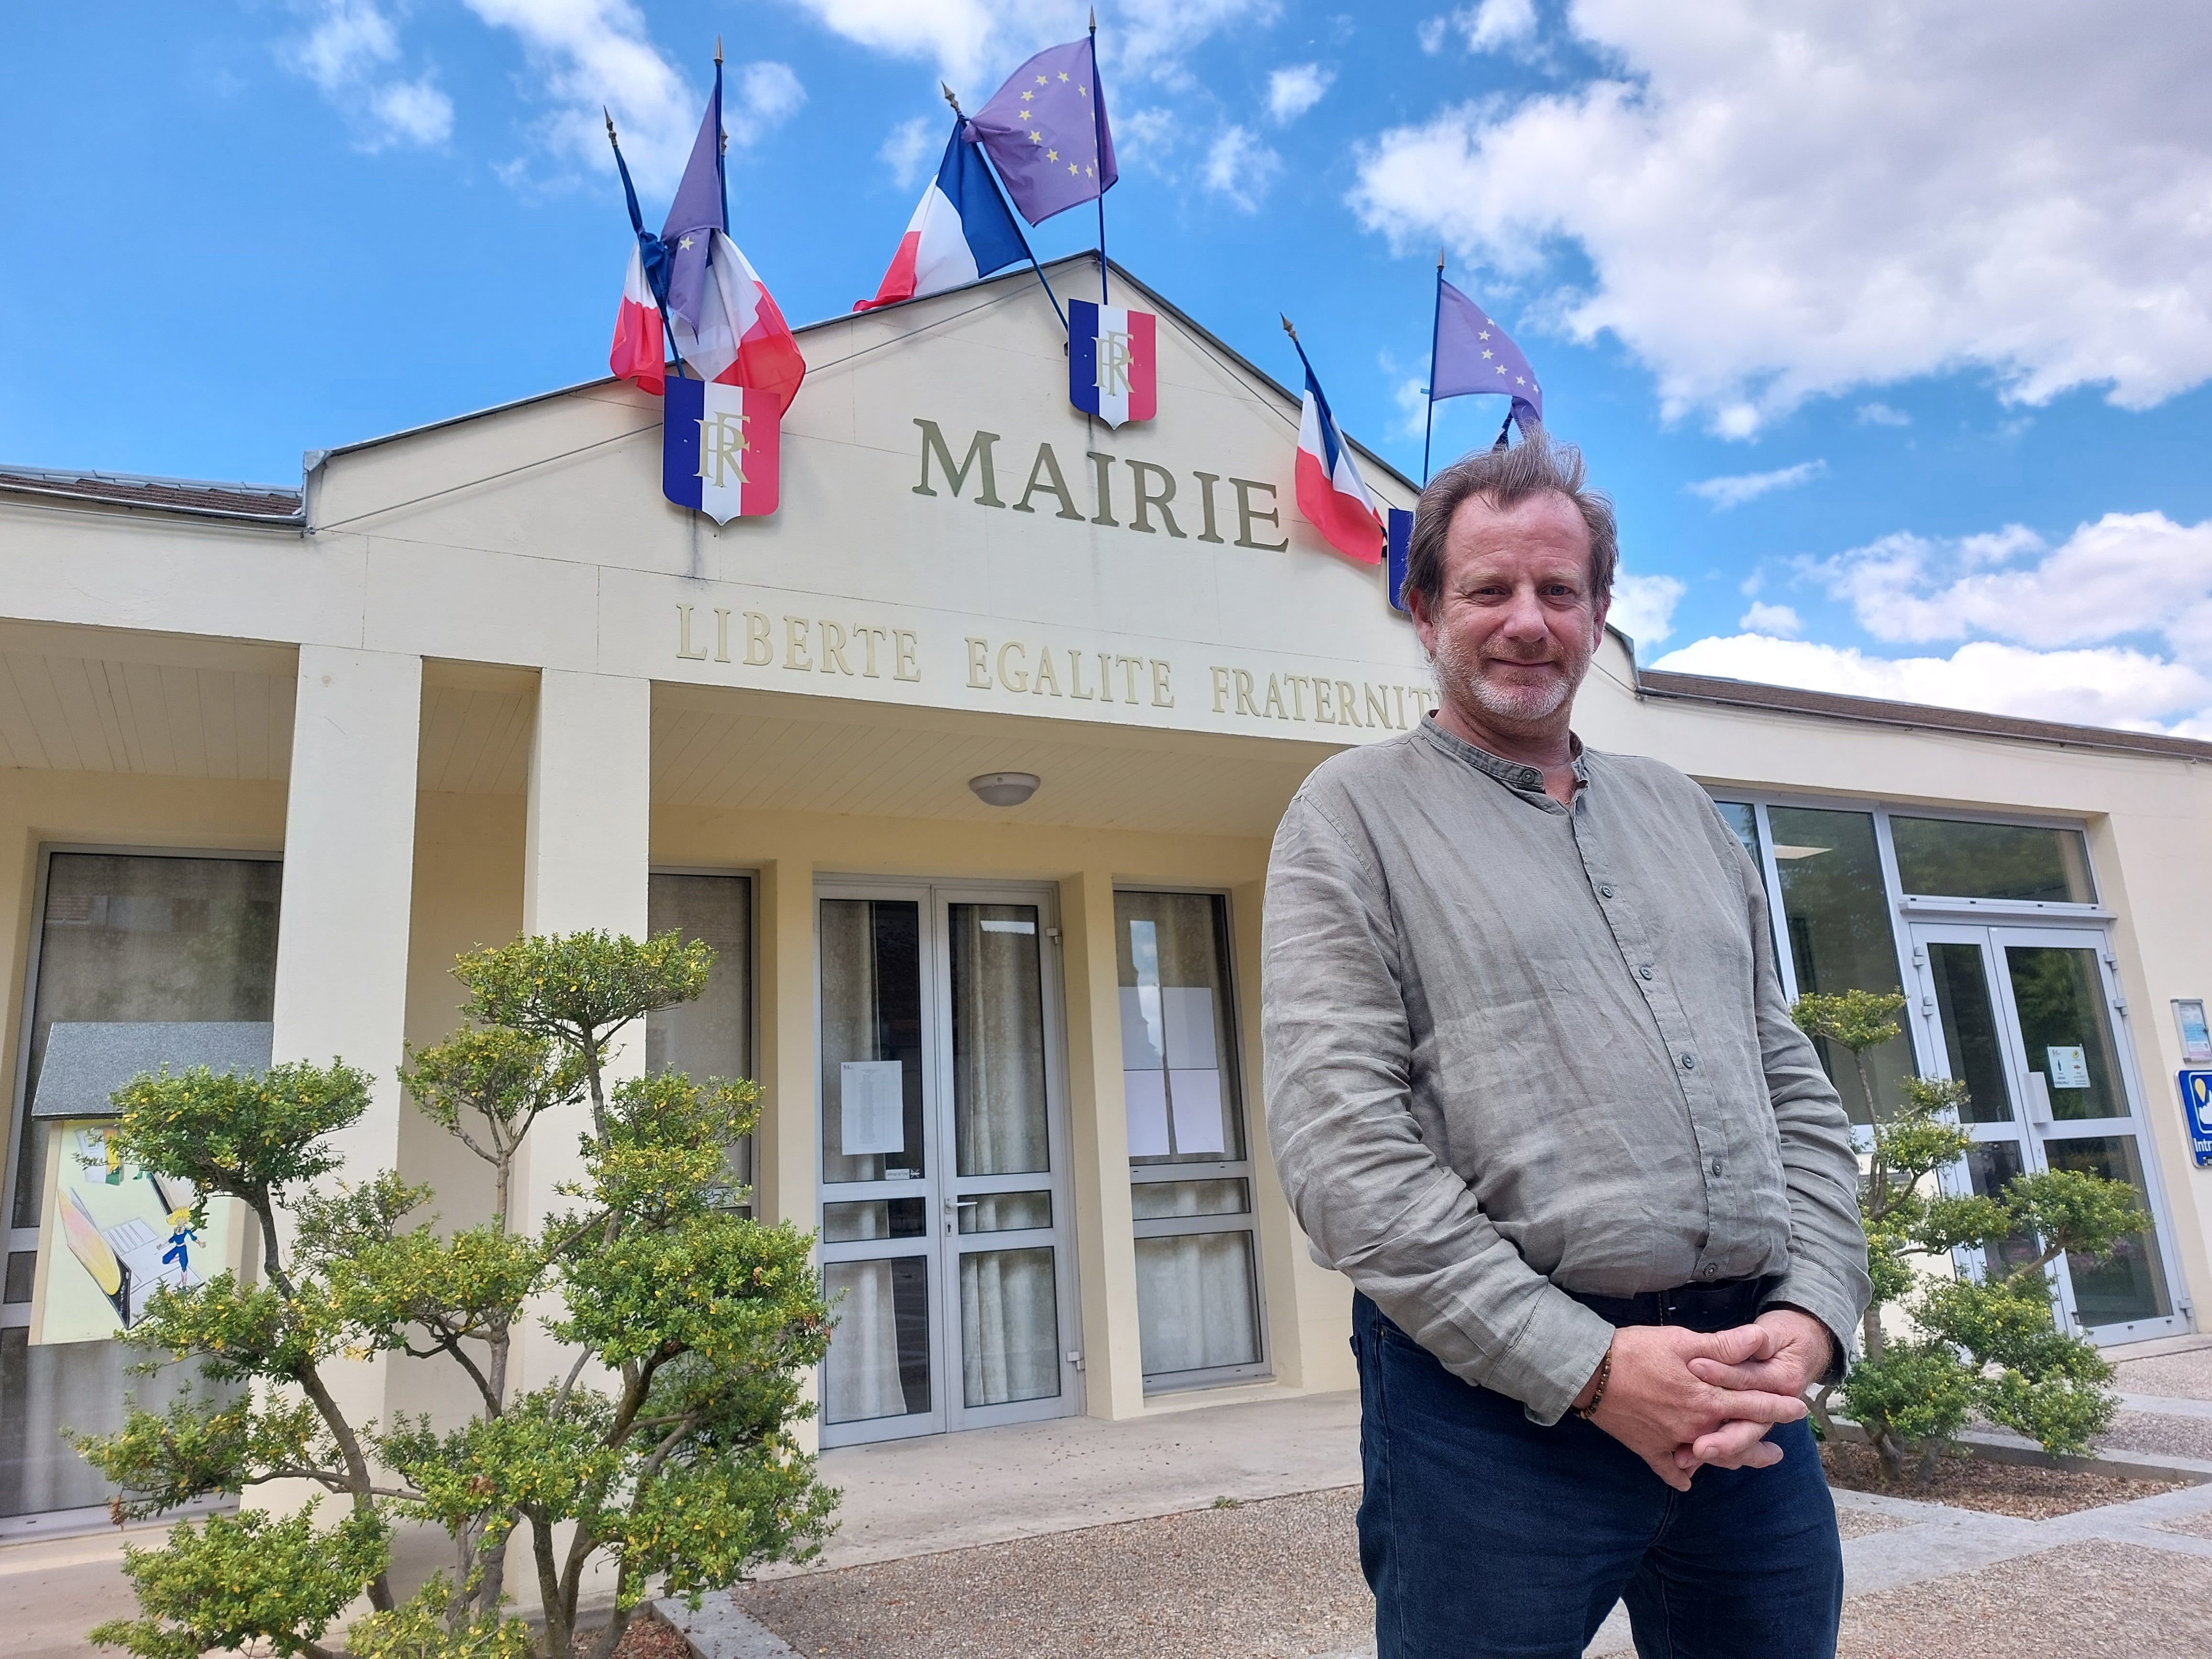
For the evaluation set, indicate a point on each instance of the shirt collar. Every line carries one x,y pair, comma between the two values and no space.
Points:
1517,775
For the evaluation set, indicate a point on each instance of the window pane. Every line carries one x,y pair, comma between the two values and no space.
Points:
1951,859
2061,998
1150,1200
881,1218
2127,1282
871,1101
878,1363
1195,1307
132,939
1740,817
1991,1166
1009,1327
1969,1031
998,1041
1839,922
1178,1048
142,960
1003,1212
713,1036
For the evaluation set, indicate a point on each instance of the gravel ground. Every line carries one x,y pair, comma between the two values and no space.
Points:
2183,1436
2196,1525
1270,1580
2181,1376
1858,1523
2092,1599
1974,1483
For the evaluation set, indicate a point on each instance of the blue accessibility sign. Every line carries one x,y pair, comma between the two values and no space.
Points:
2197,1109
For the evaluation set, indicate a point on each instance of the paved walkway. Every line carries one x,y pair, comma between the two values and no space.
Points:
1022,1545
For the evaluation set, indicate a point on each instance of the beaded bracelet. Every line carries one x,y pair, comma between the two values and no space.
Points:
1597,1394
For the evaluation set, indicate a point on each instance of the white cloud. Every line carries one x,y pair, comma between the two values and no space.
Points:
767,95
972,42
1778,620
910,147
1496,23
2106,686
585,53
1736,489
1145,137
1241,167
347,54
1878,414
2127,574
1296,88
1643,606
1772,208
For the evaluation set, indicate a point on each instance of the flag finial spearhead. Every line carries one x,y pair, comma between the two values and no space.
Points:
1094,19
611,125
1287,329
952,98
718,48
1440,258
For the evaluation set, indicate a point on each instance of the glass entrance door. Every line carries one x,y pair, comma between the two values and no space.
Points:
2026,1018
944,1161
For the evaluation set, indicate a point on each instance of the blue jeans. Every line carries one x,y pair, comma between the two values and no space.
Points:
1482,1533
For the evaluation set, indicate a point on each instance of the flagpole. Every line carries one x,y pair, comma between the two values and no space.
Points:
1099,149
637,225
960,116
1436,325
721,140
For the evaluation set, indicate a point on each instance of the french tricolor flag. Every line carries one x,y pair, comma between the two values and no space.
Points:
1331,493
641,348
961,230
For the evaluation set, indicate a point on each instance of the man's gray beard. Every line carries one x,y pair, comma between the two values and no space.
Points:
1522,707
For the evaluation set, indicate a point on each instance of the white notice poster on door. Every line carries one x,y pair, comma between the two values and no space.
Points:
871,1107
2070,1068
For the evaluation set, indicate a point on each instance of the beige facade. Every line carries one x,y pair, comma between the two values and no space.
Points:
485,679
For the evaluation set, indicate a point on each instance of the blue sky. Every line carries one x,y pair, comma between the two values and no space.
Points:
1890,329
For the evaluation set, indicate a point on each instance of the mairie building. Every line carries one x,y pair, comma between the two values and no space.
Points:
269,758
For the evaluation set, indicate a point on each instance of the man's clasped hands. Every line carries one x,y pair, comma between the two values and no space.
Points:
1681,1399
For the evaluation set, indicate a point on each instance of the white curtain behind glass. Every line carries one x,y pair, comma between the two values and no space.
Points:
998,1041
850,1026
1009,1327
861,1379
1195,1308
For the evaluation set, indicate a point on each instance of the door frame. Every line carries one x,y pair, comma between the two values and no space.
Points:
1992,935
948,1411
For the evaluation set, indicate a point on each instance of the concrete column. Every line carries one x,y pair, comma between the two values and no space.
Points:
786,1164
785,1157
585,858
342,931
1106,1254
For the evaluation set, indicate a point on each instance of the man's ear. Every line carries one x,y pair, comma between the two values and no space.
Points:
1425,626
1599,612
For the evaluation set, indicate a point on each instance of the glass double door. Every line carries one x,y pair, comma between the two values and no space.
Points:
944,1210
2028,1019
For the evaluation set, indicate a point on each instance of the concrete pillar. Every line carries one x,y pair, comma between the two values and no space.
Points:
785,1162
1106,1254
341,931
584,866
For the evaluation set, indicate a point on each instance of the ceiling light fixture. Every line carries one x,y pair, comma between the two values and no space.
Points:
1003,788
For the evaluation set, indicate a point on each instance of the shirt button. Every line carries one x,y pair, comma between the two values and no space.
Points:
1605,891
1711,1269
1532,779
1689,1062
1717,1166
1644,973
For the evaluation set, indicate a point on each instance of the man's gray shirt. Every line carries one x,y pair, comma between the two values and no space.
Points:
1513,1047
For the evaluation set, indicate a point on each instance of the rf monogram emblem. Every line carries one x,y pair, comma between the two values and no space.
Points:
721,447
1114,359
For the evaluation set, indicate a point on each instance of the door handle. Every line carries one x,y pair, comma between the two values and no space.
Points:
2038,1099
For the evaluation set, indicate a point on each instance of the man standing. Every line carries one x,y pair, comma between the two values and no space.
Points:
1532,1087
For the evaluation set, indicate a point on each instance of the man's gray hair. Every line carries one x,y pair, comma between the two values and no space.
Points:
1504,479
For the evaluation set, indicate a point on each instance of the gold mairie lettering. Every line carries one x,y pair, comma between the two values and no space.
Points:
683,636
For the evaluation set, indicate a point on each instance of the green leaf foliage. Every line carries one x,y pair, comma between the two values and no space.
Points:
423,1627
249,1578
687,1329
1990,1345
